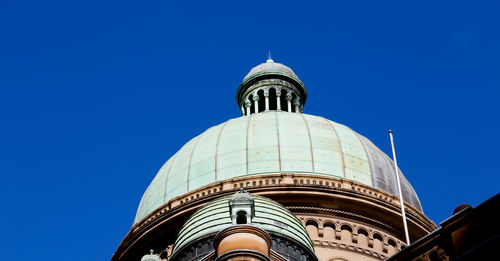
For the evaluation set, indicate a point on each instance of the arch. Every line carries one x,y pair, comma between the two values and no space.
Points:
329,224
392,248
273,104
241,217
312,228
262,101
362,237
284,103
310,221
252,105
250,100
347,227
329,231
434,256
378,242
346,233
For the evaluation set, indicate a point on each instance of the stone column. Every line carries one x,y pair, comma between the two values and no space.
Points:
256,102
278,101
289,101
296,102
266,95
247,105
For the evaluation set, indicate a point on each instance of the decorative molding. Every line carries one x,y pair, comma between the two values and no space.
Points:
277,184
277,180
315,225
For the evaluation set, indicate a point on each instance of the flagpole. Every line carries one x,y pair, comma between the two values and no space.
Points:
399,190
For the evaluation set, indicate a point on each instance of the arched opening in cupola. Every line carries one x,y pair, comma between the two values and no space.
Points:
262,101
283,101
252,105
273,104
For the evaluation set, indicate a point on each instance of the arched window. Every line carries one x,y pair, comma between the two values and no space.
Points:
241,217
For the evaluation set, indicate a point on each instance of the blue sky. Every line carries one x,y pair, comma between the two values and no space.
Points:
96,96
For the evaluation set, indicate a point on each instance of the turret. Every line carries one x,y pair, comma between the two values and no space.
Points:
271,86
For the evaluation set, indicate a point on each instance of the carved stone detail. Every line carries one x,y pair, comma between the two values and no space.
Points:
296,102
349,235
280,185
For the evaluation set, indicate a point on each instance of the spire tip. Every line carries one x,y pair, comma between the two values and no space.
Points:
269,59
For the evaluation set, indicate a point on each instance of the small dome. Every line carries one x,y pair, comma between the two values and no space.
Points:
150,257
273,142
270,66
270,75
215,216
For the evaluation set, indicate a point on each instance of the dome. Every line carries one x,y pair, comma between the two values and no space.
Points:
270,66
150,257
273,75
215,216
273,142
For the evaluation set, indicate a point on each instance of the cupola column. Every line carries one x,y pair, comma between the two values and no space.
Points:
278,100
266,95
289,101
296,102
248,104
256,103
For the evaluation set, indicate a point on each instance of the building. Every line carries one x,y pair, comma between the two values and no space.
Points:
470,234
274,184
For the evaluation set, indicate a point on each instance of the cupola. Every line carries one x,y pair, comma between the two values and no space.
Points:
242,208
150,257
271,86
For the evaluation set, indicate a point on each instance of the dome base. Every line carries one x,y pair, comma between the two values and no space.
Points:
320,196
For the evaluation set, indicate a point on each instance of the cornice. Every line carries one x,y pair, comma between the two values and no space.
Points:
268,185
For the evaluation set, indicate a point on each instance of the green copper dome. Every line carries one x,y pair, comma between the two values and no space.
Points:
269,70
273,142
269,216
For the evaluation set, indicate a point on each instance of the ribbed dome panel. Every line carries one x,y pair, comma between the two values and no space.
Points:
273,142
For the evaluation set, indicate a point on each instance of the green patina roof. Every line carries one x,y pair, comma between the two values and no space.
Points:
269,68
273,142
269,216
